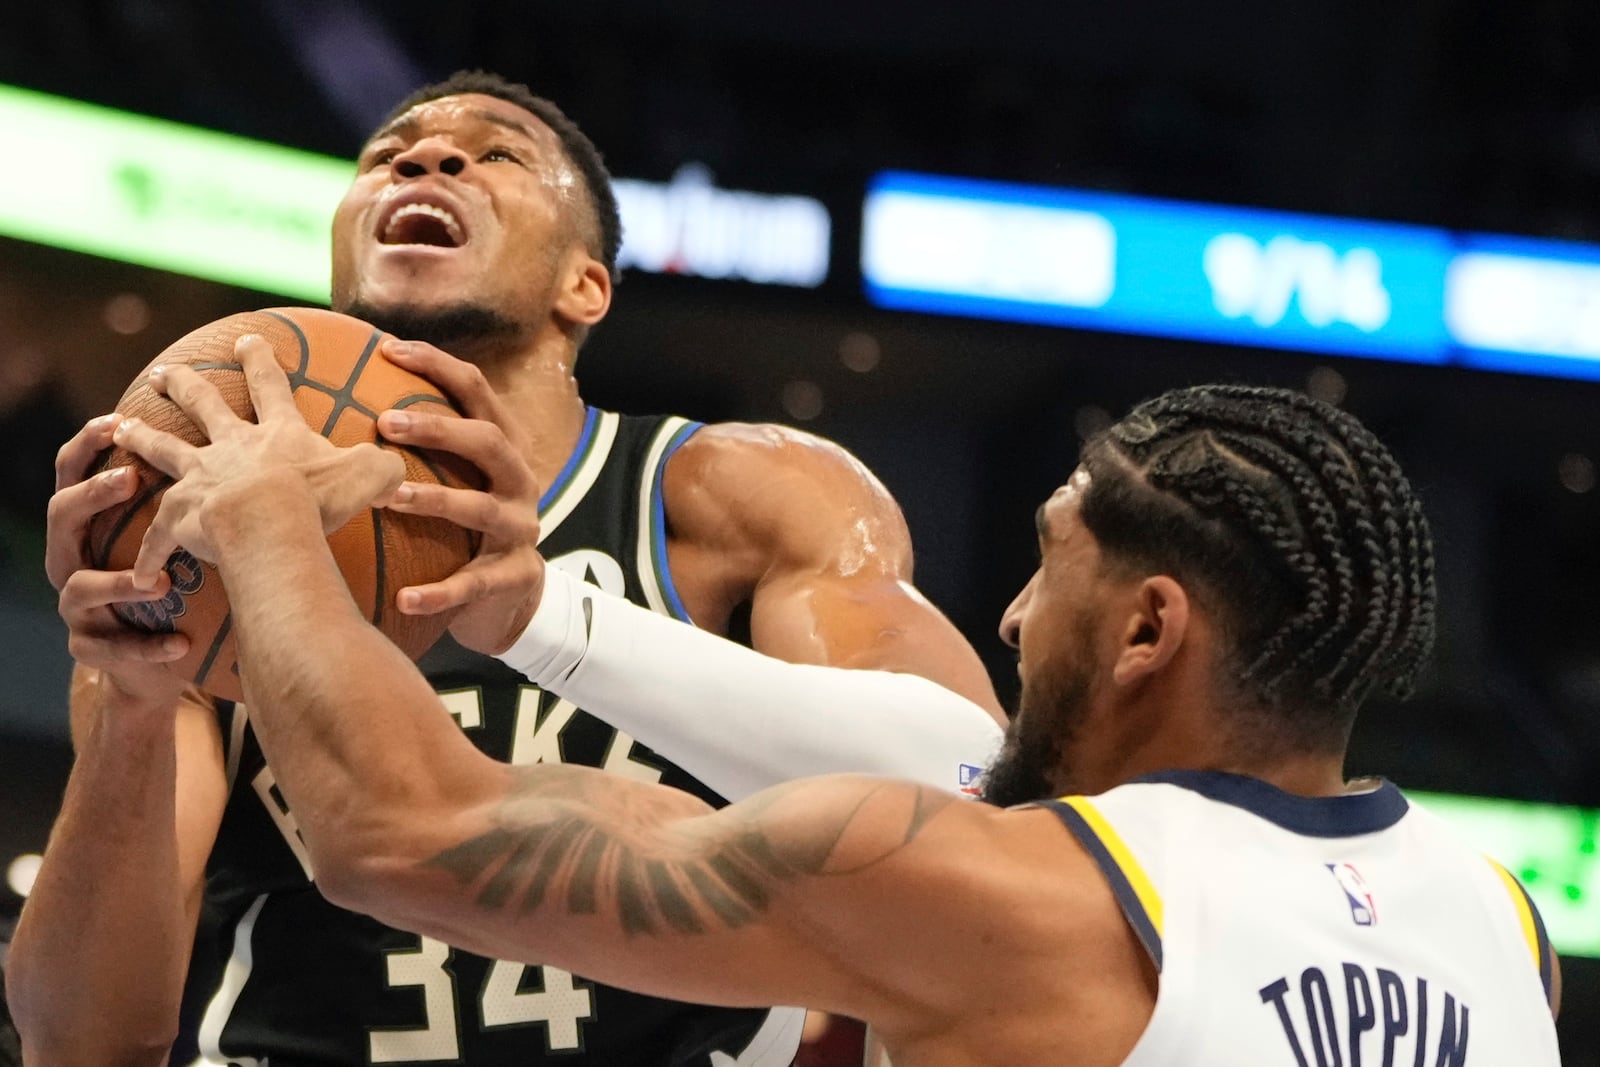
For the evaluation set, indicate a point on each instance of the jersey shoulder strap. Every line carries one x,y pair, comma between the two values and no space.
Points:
1135,892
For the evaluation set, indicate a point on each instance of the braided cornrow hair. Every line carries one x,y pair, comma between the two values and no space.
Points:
1295,522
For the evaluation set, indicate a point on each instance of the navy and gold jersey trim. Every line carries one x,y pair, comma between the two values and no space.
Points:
1532,926
1350,815
1133,889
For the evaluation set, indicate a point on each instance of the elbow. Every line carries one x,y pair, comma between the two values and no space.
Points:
51,1027
371,869
373,854
356,874
70,1046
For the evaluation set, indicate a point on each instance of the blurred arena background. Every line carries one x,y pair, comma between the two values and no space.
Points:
1452,117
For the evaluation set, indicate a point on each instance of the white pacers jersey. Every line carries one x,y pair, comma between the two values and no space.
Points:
1351,931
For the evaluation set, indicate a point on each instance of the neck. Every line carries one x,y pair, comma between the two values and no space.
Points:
1210,739
536,386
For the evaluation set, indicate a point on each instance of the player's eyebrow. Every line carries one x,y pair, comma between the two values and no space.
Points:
403,124
407,124
508,123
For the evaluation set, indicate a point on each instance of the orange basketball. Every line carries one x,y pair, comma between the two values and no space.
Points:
341,383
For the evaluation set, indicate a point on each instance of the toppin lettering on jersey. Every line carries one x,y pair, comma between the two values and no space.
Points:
1317,931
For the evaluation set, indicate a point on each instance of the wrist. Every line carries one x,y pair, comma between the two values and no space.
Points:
125,704
554,639
268,506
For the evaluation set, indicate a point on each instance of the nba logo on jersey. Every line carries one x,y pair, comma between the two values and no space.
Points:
970,778
1363,912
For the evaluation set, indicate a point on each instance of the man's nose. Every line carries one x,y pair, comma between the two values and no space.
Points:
1011,621
429,156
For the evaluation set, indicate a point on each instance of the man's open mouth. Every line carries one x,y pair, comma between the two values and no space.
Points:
423,224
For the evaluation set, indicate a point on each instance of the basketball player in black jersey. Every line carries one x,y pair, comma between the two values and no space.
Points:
480,220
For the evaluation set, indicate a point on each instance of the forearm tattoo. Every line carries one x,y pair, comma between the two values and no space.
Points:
578,842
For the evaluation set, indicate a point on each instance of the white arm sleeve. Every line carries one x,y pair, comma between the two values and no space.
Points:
736,719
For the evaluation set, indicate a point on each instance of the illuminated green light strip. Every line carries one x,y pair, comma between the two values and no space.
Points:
1552,849
169,196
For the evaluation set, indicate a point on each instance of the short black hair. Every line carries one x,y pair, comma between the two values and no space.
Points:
574,142
1297,524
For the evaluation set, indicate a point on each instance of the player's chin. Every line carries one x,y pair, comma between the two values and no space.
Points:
382,300
413,274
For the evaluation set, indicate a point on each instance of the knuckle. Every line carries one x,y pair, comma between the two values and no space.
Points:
421,425
495,434
484,509
525,530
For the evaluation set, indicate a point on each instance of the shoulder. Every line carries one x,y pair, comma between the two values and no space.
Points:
723,458
777,486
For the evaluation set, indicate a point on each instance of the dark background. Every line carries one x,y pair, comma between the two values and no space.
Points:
1473,115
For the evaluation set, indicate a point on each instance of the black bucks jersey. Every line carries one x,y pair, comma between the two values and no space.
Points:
297,981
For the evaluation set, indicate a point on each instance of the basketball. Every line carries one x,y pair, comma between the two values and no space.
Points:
341,383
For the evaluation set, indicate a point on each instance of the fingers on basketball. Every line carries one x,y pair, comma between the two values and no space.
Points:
338,381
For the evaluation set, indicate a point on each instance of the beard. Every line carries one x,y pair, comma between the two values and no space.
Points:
1048,721
457,329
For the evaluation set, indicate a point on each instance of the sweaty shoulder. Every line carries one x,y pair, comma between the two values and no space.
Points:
745,498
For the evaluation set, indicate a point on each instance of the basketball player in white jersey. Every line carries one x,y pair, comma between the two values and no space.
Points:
1174,868
481,218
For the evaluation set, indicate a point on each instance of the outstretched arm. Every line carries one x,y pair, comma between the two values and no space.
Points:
739,720
820,892
789,523
797,895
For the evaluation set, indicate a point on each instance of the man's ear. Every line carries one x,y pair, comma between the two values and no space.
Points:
1157,623
585,293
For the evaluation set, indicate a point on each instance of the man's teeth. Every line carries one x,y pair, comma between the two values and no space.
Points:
439,213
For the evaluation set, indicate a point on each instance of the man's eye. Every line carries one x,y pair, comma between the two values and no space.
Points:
382,158
500,155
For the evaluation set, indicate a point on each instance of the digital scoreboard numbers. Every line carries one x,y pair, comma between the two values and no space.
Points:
1231,275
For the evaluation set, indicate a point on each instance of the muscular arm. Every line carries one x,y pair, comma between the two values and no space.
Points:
802,532
794,896
95,974
787,524
739,720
